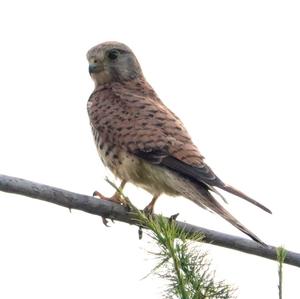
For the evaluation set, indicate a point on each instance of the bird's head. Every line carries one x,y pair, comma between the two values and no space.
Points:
111,62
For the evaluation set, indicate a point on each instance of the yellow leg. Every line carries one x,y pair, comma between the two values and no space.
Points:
150,207
116,197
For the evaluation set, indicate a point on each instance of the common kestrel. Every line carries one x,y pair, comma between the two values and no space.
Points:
142,141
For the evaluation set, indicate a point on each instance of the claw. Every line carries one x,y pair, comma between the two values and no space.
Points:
98,194
105,221
173,217
140,232
115,198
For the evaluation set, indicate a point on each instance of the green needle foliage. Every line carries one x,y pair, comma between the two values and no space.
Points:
181,263
186,269
281,254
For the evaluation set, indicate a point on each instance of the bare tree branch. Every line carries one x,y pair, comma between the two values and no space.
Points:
117,212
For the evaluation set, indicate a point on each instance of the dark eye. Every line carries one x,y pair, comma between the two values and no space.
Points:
113,54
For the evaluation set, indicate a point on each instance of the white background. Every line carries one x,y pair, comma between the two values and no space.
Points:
229,69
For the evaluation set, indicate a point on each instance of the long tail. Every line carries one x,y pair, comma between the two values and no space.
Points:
238,193
206,199
227,216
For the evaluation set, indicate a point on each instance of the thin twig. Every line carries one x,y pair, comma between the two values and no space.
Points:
281,254
117,212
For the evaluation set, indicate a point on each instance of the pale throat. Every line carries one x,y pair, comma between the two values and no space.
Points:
101,78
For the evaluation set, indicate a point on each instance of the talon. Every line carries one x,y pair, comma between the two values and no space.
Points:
140,232
115,198
98,194
173,217
105,221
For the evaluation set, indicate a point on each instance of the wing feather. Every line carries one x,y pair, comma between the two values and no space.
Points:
135,120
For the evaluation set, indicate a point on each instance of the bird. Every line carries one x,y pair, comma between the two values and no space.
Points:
143,142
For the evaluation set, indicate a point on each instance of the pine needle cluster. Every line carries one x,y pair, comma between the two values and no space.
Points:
181,263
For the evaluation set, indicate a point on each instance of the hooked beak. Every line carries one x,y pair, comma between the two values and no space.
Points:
94,68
